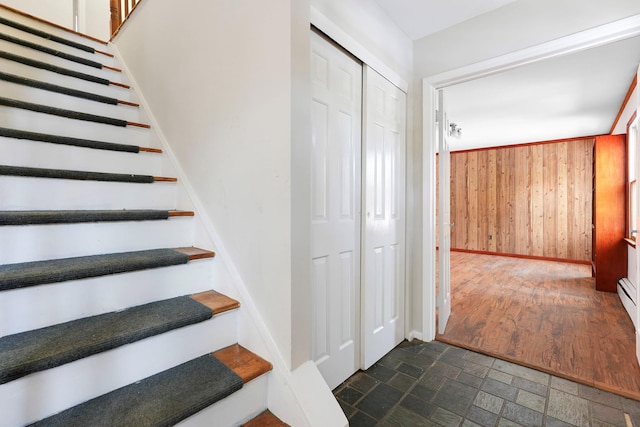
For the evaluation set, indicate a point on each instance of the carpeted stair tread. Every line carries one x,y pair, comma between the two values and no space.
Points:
20,275
266,419
45,35
53,68
12,78
79,216
246,364
70,114
160,400
47,50
40,349
79,175
65,140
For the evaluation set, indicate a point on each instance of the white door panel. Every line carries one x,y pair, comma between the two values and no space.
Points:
336,115
637,223
383,284
444,214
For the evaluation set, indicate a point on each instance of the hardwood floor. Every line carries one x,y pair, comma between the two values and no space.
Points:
543,315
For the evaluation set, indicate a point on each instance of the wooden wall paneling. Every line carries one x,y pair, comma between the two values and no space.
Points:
573,238
587,203
537,199
472,200
502,198
482,211
492,201
511,174
562,202
550,180
522,201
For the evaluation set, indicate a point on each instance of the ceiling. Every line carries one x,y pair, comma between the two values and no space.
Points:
564,97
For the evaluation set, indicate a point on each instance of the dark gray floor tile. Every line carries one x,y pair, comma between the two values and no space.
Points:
530,386
349,395
402,382
446,418
632,407
410,370
499,389
475,369
607,414
390,361
531,401
452,359
564,385
379,401
480,359
437,346
455,397
401,417
553,422
362,420
568,408
416,359
456,352
468,423
482,417
468,379
381,373
413,346
443,370
522,372
420,407
363,382
489,402
602,397
433,382
424,393
346,408
521,415
503,422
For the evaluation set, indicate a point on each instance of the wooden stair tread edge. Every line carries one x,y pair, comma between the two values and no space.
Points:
122,85
217,302
195,253
243,362
181,213
165,179
128,104
150,150
265,419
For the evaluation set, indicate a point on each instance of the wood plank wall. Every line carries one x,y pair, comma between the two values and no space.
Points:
532,200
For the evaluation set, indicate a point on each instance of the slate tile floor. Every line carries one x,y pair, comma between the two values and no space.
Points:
435,384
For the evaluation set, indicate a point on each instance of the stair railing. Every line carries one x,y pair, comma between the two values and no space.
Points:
120,11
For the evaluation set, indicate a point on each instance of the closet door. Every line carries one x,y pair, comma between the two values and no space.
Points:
336,114
384,233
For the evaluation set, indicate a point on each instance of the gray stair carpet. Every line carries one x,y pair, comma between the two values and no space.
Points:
161,400
40,349
74,175
65,140
45,35
53,68
78,216
20,275
12,78
44,49
70,114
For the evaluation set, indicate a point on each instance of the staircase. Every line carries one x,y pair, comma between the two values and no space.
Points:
107,312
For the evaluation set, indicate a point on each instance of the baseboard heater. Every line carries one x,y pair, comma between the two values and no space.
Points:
628,294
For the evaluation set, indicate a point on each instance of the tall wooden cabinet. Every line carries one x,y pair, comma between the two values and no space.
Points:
609,249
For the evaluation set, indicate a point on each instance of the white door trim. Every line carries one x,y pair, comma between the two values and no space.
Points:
587,39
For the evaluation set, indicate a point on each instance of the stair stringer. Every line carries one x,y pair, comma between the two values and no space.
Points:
300,397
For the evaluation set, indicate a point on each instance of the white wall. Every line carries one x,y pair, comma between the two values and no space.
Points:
93,15
218,80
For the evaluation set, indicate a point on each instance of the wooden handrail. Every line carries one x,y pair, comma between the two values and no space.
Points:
120,11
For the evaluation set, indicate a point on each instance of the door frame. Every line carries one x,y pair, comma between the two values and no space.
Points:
587,39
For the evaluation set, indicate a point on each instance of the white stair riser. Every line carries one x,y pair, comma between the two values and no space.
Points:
105,73
39,74
24,152
240,407
76,382
19,193
25,20
22,35
39,306
41,242
66,102
15,118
